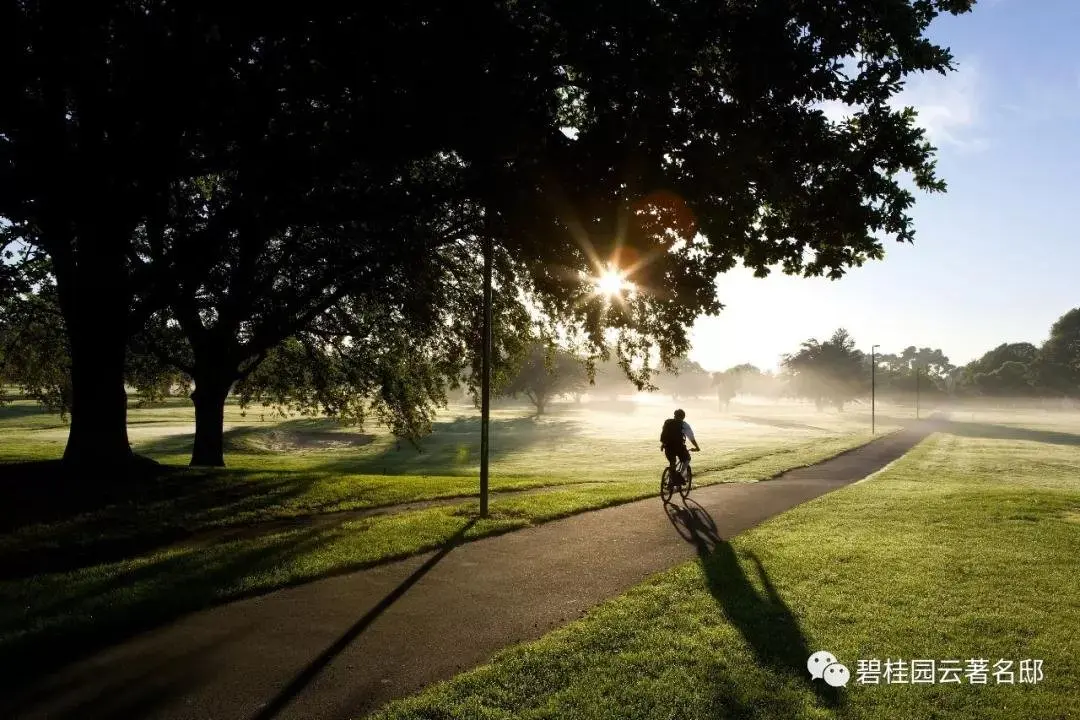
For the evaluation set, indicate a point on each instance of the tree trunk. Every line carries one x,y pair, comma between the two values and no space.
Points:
98,436
95,302
209,398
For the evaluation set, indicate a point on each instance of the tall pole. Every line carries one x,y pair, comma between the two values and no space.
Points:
485,373
873,394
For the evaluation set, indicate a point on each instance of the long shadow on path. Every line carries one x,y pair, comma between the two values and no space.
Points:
764,620
309,673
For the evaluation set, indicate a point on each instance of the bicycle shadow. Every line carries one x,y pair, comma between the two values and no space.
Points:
764,620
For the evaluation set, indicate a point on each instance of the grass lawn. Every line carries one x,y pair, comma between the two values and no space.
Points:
964,549
279,470
120,583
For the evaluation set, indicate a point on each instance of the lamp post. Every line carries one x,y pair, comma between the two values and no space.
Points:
873,394
485,375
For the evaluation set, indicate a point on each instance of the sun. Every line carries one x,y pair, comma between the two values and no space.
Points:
611,283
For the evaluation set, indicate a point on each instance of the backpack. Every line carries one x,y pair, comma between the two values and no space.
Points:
672,434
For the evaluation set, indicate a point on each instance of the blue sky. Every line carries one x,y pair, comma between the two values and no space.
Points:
996,258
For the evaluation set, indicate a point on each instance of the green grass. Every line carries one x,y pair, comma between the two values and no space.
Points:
45,618
302,467
965,548
120,574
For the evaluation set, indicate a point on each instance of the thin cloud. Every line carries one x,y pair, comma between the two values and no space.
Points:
948,106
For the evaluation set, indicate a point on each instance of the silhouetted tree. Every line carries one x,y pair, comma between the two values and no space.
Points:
105,104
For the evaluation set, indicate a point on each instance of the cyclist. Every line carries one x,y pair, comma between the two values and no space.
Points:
673,439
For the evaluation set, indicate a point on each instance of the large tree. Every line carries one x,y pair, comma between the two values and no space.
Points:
102,103
995,379
923,369
689,155
830,372
1057,365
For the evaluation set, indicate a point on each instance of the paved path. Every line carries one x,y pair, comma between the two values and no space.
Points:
343,647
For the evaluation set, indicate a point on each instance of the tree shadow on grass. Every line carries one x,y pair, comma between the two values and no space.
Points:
1005,432
86,523
94,522
46,490
763,618
164,588
147,596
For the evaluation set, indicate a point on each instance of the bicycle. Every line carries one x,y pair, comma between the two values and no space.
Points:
668,488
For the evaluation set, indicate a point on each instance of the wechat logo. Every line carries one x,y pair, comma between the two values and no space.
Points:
823,666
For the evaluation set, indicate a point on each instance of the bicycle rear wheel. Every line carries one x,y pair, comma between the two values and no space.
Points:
684,488
665,485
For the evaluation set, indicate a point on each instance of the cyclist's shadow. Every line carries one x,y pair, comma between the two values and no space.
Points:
763,618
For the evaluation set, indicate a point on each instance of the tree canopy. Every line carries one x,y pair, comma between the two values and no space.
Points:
830,372
237,175
1057,367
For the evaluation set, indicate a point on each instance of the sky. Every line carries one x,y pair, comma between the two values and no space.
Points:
996,258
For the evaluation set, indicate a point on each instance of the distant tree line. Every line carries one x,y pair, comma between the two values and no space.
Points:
834,373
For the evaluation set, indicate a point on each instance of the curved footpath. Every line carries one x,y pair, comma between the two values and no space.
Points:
344,646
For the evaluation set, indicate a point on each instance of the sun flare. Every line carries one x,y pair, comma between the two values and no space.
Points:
611,283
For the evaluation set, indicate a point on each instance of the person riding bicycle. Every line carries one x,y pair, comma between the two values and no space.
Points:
673,439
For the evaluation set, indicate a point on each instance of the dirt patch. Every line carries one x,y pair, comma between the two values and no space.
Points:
286,440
